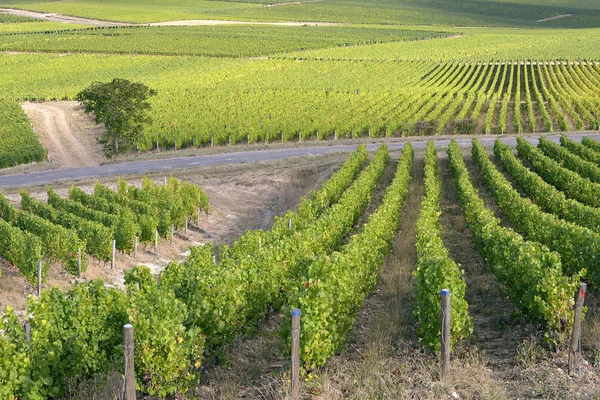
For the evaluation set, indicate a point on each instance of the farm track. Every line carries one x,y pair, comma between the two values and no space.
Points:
67,19
169,164
68,136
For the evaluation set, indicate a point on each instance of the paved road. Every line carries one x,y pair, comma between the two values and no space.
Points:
170,164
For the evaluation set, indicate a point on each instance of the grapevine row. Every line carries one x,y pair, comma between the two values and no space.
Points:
544,194
578,246
333,288
565,180
529,272
435,269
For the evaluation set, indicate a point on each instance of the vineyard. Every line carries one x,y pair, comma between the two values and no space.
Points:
209,41
64,229
313,259
282,100
20,143
461,219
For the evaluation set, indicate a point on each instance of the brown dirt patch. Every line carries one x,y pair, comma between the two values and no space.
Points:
69,135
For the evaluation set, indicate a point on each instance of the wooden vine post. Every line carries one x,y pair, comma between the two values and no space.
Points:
575,348
129,362
39,280
114,250
79,262
445,353
135,245
295,352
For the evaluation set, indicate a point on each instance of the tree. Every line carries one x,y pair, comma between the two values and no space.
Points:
122,106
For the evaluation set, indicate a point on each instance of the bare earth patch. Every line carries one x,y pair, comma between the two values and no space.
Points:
69,135
555,17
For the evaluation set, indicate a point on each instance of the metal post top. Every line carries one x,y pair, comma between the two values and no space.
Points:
296,312
127,326
445,292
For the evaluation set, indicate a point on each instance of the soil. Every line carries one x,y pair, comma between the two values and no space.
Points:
69,135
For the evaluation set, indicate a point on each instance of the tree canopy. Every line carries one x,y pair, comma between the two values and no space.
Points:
121,105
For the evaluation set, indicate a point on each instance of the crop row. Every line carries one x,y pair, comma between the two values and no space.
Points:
281,100
529,272
65,229
333,287
578,246
435,269
20,145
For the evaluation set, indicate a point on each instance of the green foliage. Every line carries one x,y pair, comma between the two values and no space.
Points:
570,183
209,41
59,243
73,334
516,13
22,249
539,101
545,195
12,18
464,127
565,158
148,217
14,363
332,288
20,145
435,269
97,237
122,107
317,203
127,222
280,99
232,297
528,271
166,352
591,143
585,152
578,247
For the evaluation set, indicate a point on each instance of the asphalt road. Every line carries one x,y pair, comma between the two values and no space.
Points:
170,164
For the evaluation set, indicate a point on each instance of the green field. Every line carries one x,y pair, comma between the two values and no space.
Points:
20,144
212,41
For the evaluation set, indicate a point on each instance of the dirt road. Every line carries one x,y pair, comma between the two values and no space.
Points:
67,133
192,22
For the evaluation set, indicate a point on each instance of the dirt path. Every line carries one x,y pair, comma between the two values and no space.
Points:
292,3
55,17
67,133
555,17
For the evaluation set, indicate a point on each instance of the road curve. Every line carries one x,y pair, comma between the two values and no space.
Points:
170,164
